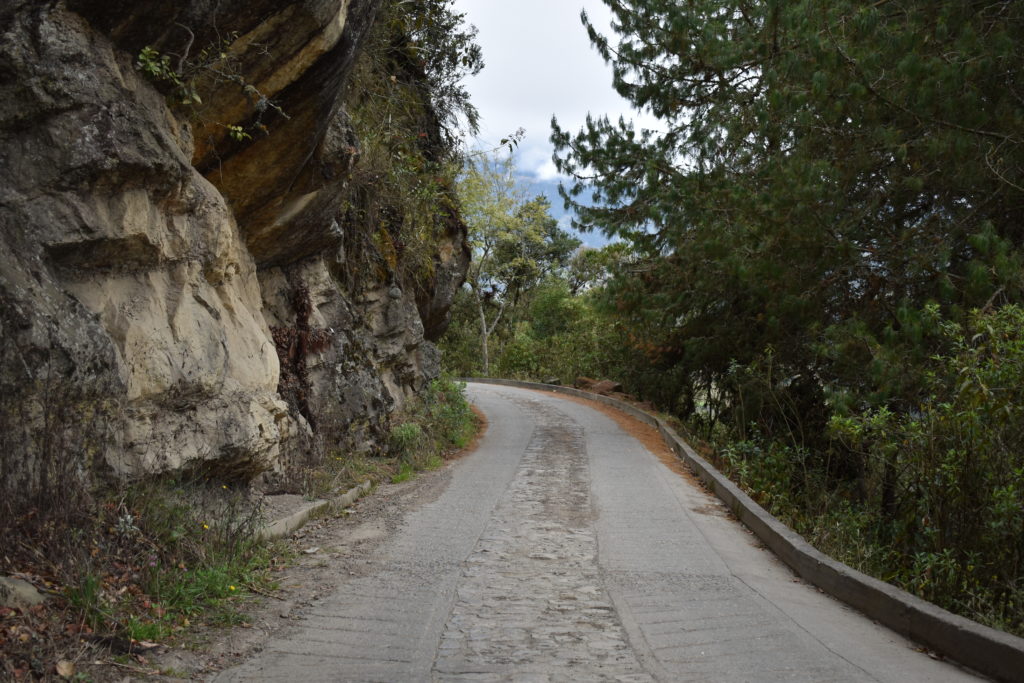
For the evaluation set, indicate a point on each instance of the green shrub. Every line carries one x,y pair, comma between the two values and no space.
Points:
448,415
945,480
936,502
429,427
405,439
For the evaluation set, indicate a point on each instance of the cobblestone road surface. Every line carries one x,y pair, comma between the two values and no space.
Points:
563,551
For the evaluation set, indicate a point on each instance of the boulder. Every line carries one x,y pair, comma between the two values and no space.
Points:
605,387
19,593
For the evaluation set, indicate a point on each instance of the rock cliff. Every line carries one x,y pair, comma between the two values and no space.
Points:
188,256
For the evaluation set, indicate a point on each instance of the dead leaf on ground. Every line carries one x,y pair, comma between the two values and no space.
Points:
65,668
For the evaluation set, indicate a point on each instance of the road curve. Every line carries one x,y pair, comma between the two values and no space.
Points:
563,550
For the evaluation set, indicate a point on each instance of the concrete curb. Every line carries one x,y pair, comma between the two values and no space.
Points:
986,650
353,494
280,528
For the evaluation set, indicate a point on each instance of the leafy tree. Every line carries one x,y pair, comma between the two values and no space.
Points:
590,267
444,46
516,243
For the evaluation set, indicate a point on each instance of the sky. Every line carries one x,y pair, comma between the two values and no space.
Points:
538,62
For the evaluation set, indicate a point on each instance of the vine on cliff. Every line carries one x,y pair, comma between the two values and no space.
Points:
188,75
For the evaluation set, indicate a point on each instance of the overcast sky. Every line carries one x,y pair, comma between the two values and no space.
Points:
538,61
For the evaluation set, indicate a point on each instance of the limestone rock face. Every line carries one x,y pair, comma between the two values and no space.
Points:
151,261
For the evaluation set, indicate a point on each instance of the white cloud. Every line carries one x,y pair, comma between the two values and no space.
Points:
548,172
538,63
533,158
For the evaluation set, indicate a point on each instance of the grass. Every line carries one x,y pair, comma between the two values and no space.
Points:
431,426
148,562
405,472
429,429
178,553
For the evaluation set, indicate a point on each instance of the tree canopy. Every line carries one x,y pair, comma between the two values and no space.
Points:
824,170
516,243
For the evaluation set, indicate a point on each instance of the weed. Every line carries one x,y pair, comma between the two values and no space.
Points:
171,672
438,421
85,597
184,79
405,473
159,556
341,471
137,629
406,439
425,432
157,67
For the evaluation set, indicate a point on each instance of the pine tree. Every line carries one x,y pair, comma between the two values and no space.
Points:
822,172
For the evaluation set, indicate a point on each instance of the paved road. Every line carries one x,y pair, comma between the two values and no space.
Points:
562,550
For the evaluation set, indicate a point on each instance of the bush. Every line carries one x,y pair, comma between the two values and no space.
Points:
405,439
433,424
935,501
451,417
945,480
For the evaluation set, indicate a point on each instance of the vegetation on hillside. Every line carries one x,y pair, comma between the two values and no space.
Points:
516,244
131,566
407,108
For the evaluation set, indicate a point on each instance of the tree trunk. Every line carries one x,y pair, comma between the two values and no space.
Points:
483,336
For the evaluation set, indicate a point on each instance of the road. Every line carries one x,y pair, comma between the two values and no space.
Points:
563,550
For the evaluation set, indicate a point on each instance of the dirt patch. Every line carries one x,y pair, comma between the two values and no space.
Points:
713,509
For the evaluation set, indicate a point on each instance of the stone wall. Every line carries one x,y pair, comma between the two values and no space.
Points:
151,261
